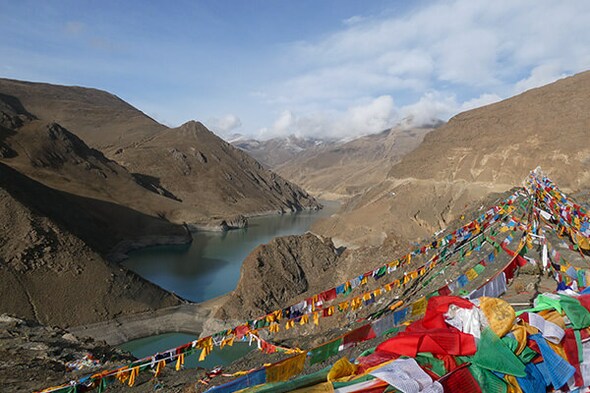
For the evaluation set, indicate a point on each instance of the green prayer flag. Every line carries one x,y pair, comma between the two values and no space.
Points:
577,314
543,302
479,268
364,378
325,351
489,382
527,353
436,365
102,385
494,355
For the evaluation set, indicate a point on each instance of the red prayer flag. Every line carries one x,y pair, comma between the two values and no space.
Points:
361,334
460,381
328,295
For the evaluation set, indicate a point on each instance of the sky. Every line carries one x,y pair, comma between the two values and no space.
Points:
312,68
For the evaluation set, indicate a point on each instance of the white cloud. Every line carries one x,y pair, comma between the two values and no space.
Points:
224,124
430,107
540,76
479,50
371,116
353,20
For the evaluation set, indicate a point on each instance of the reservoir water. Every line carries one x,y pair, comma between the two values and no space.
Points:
148,346
207,268
210,265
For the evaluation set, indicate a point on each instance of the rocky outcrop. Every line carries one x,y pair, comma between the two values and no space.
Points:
280,272
35,356
236,222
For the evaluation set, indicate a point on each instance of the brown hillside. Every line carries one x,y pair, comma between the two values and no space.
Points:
101,119
88,191
485,150
50,275
212,179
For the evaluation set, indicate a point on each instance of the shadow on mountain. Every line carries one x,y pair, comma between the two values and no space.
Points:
13,103
99,224
152,183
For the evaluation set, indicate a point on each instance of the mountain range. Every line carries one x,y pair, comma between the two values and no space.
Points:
335,169
86,177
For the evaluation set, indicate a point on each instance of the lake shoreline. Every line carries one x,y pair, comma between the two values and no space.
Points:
120,252
187,318
209,266
190,316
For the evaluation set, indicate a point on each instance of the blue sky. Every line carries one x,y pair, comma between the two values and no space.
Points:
315,68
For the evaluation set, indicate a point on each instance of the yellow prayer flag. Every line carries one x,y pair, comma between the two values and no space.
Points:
304,319
419,306
286,369
342,368
471,274
132,375
179,362
499,313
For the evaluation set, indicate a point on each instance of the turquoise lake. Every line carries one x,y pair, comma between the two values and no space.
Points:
148,346
210,267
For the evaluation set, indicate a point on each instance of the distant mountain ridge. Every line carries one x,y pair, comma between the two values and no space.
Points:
336,169
275,152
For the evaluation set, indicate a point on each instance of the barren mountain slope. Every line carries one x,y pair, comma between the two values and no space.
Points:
49,275
349,168
211,178
273,153
95,196
101,119
485,150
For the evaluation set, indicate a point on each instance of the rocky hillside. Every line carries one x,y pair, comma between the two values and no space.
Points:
478,152
35,356
94,197
276,273
51,276
185,174
211,178
102,120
